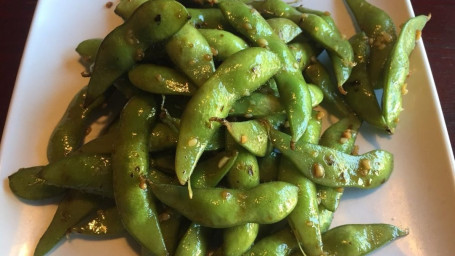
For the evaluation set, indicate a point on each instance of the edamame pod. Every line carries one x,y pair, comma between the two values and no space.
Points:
221,207
191,53
286,29
239,75
130,163
153,21
208,18
194,242
381,31
160,80
223,43
280,243
90,173
333,168
359,239
73,208
397,69
294,93
26,184
104,222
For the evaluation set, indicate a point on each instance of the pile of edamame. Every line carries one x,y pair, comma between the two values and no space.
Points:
213,145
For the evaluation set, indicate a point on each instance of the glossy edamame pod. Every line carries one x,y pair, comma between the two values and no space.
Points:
73,208
256,105
104,222
208,18
333,168
243,174
304,219
340,136
381,31
237,76
303,52
68,135
360,94
317,74
170,224
87,50
280,243
210,172
325,218
223,43
125,8
359,239
191,53
160,80
294,93
286,29
313,132
221,207
397,69
251,135
268,166
90,173
26,184
130,163
194,242
153,21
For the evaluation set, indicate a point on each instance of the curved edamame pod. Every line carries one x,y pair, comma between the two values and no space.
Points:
91,173
104,222
256,105
333,168
380,29
191,53
125,8
360,94
294,93
87,50
239,75
68,135
286,29
194,242
221,207
26,184
317,74
125,45
397,69
130,163
160,80
210,172
359,239
281,243
73,208
223,43
208,18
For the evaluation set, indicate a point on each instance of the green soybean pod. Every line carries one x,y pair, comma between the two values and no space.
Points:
191,53
194,242
397,69
170,224
256,105
304,219
380,29
73,208
222,207
239,75
130,163
359,239
294,93
87,50
90,173
332,168
280,243
360,94
153,21
303,52
251,135
208,18
286,29
69,133
223,43
317,74
26,184
125,8
160,80
325,218
104,222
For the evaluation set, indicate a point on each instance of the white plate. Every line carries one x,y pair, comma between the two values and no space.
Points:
420,194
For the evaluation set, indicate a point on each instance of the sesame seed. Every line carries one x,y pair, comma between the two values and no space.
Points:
318,170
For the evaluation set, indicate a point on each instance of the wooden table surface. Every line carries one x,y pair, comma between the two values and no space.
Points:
439,40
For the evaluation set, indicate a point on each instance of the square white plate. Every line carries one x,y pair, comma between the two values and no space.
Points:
420,194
